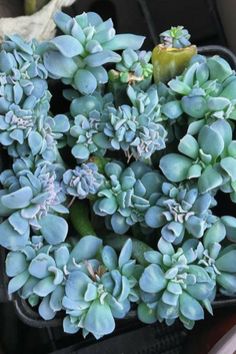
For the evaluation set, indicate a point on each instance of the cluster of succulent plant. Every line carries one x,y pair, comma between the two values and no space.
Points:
25,124
138,156
88,43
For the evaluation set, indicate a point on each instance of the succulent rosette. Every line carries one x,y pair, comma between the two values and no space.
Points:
31,197
181,210
134,69
39,276
96,292
211,164
137,129
135,65
174,287
217,260
86,132
175,37
25,134
79,55
127,194
207,87
83,181
25,125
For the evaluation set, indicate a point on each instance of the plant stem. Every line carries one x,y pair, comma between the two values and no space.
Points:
79,215
32,6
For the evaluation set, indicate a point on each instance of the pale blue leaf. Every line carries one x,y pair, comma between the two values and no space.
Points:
53,235
19,199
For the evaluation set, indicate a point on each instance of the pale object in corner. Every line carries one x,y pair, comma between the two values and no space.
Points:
39,25
227,344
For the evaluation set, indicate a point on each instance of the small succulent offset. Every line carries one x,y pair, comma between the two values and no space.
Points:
96,292
127,194
137,129
134,69
176,37
174,287
78,56
134,66
83,181
181,210
31,197
172,55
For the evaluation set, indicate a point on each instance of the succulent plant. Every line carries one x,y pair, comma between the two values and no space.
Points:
24,134
180,210
31,197
134,66
38,275
212,164
77,57
97,292
25,127
208,89
174,287
127,194
173,55
86,136
217,260
175,37
136,129
83,181
192,107
134,69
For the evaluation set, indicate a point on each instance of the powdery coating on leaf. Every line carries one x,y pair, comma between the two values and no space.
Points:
29,197
87,44
83,180
136,129
127,195
175,286
180,210
134,65
97,292
176,37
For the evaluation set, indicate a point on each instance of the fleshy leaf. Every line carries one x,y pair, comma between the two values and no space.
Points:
153,279
53,235
99,319
191,308
175,167
18,199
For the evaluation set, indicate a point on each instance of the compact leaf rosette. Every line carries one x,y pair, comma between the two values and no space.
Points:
110,206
